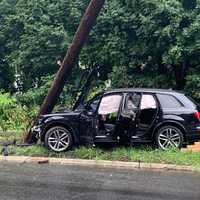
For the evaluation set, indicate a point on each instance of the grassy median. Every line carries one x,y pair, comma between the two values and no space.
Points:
136,153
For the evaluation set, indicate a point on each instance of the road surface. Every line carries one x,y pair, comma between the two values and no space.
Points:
54,182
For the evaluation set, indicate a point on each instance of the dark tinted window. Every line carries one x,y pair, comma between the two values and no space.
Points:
93,103
168,101
189,101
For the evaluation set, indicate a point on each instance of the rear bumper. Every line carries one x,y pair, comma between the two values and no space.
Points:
193,135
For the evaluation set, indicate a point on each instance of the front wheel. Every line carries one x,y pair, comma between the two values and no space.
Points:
169,137
58,139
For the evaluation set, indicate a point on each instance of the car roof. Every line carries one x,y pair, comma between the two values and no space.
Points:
146,90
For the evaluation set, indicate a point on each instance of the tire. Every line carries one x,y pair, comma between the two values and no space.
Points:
169,137
58,139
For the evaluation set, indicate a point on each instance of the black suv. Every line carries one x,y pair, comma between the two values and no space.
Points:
164,117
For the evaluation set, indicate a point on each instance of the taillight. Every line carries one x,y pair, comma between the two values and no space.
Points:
197,115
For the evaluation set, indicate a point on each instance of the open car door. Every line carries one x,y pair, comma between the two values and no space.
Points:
129,116
147,115
108,117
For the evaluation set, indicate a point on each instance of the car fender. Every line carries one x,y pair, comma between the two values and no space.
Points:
60,121
169,117
169,122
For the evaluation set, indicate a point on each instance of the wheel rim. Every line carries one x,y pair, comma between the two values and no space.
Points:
169,138
58,140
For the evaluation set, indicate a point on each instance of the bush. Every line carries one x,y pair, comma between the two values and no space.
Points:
13,116
35,96
192,87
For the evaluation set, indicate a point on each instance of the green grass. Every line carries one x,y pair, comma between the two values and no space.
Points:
139,153
142,154
8,136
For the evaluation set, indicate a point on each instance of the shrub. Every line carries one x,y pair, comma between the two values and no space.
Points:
12,115
192,87
35,96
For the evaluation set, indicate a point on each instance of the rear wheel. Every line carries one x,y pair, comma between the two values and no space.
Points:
169,137
58,139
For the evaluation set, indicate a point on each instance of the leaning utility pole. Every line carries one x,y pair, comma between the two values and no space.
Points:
69,61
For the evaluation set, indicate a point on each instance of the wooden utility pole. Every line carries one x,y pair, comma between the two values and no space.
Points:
69,61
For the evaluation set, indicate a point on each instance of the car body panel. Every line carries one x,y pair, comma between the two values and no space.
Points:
70,120
85,123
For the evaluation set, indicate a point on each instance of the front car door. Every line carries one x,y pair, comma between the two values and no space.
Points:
108,116
89,121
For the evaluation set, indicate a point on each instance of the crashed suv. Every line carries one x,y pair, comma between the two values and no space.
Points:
164,117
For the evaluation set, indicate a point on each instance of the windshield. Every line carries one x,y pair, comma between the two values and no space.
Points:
93,102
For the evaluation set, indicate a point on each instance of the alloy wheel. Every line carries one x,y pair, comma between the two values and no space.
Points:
169,137
59,139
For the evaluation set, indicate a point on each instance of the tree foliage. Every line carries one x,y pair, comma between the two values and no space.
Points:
140,43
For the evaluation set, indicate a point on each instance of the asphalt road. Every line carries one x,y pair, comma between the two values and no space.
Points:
45,182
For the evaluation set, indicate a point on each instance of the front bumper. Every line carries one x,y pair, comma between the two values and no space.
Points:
36,131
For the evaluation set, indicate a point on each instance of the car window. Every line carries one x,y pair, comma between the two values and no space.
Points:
131,105
132,102
188,101
109,104
148,102
168,101
93,103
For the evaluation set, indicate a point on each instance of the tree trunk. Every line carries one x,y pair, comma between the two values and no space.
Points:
180,74
73,52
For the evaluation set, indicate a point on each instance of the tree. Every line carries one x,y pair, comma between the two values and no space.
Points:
153,37
6,73
146,39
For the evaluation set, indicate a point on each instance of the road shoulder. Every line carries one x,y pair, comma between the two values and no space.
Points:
97,163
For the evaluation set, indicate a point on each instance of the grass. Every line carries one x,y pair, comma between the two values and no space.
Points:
142,154
139,153
11,135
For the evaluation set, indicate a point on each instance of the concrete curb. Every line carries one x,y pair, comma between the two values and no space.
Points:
97,163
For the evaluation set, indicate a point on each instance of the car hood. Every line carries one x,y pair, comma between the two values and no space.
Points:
61,114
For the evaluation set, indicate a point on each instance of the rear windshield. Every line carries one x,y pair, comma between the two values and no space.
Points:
191,102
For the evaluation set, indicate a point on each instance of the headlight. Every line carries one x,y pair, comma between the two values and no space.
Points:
36,128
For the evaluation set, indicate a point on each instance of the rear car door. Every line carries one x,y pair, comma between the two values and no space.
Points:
129,115
147,114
